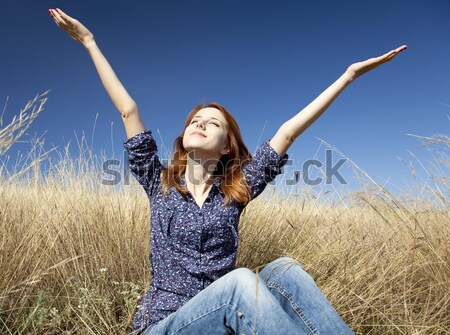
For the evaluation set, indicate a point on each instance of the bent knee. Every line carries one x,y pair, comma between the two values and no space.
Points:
243,278
286,260
285,267
242,274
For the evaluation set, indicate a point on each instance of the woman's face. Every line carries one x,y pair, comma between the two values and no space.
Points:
207,133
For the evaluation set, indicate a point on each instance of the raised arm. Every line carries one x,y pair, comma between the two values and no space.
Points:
292,128
118,94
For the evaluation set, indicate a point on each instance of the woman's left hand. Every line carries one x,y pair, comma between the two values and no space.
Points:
72,26
357,69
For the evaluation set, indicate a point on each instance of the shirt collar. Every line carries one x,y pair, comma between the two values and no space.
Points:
216,182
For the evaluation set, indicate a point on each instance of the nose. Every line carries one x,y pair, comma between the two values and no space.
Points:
200,124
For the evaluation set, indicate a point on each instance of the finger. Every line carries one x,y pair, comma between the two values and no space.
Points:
52,15
388,55
63,15
400,49
60,19
54,18
380,59
57,20
394,52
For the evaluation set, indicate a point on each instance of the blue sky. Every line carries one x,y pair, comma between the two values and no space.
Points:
263,60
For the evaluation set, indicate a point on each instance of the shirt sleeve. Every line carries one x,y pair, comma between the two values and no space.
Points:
264,167
143,159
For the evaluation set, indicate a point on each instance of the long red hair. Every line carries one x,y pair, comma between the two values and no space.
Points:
229,168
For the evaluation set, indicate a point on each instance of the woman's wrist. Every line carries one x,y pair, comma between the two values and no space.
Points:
89,42
348,77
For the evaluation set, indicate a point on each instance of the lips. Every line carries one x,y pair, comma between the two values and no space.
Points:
198,133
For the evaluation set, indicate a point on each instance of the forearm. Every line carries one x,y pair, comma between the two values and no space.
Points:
116,91
300,122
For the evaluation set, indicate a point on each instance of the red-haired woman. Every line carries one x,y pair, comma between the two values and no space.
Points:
196,203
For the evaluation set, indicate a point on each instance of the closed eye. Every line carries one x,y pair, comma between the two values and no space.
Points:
214,123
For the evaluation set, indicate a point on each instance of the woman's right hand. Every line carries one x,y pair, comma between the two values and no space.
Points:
73,27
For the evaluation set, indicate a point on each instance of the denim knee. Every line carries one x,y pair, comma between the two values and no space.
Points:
283,259
277,269
287,259
242,278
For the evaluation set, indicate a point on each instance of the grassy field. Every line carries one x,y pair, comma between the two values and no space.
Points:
74,255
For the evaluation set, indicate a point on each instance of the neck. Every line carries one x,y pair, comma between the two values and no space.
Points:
198,174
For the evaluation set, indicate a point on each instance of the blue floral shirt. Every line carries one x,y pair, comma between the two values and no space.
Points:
190,247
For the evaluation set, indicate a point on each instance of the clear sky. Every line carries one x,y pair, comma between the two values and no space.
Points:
263,60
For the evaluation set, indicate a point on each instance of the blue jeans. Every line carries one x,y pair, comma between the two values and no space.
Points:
283,300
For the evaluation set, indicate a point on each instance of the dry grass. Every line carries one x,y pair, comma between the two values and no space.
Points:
74,253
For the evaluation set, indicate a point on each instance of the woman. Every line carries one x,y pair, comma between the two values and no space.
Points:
196,204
